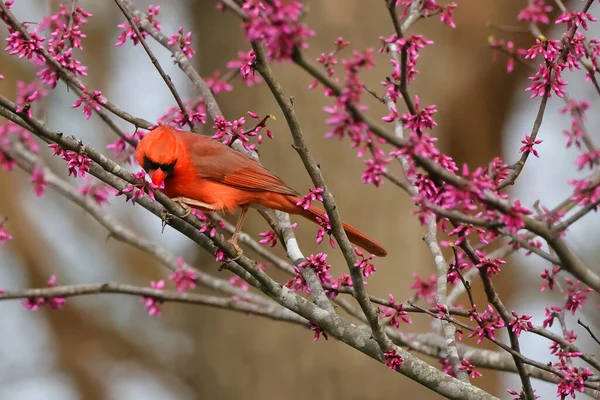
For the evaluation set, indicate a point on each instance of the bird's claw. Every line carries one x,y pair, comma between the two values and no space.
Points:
165,217
187,210
236,246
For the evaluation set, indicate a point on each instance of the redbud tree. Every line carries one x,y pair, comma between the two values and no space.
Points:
472,222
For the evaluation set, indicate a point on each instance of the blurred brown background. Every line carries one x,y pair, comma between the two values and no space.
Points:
101,347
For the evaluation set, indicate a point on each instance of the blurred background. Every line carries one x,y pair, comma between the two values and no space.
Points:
107,347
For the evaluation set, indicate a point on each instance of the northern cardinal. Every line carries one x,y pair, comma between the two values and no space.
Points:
204,173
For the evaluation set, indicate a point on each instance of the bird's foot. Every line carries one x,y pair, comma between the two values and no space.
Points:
185,203
234,242
165,217
187,210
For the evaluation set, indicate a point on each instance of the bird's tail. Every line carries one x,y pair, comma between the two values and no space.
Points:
288,204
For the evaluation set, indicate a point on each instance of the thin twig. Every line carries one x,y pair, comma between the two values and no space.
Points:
157,65
313,170
227,303
587,328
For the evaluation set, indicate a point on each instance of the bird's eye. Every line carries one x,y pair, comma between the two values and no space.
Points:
149,164
168,168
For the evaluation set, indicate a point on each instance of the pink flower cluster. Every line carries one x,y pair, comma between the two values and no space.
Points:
78,164
313,195
488,322
184,278
196,109
394,313
4,235
277,24
228,131
138,190
129,33
209,226
152,304
53,303
245,64
183,41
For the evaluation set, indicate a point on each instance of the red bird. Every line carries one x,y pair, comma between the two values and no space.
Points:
203,173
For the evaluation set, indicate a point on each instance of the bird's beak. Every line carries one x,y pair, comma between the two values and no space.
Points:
158,177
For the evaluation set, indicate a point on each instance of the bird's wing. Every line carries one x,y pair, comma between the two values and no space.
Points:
219,163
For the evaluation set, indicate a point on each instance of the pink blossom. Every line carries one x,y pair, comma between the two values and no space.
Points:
139,189
209,225
4,235
184,42
98,192
575,18
217,84
153,12
463,231
506,47
551,313
513,218
129,32
565,351
549,49
393,360
184,278
340,43
329,62
421,119
228,132
18,44
78,163
547,79
6,162
66,28
528,145
269,237
413,46
298,283
238,282
277,24
90,101
549,277
447,14
220,256
374,170
586,192
425,289
395,312
520,324
39,181
364,264
325,229
488,322
319,264
589,159
66,60
536,13
343,280
576,296
318,332
152,304
469,369
521,395
29,92
314,195
573,379
196,109
492,267
245,63
53,303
